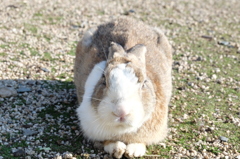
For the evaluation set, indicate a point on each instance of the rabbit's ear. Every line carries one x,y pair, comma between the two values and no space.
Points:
115,48
139,51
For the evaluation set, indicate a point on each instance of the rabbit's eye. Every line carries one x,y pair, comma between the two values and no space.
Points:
104,80
144,84
104,83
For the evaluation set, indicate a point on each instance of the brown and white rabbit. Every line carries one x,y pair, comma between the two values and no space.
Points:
123,80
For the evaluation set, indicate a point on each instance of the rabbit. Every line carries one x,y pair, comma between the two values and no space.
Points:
122,75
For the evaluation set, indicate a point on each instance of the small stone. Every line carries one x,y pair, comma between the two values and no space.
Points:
57,156
7,92
200,78
185,116
191,84
19,153
107,156
131,11
84,24
225,43
73,127
86,155
45,70
92,155
31,82
214,77
163,145
46,149
14,150
217,70
23,89
67,155
28,132
224,139
207,37
28,125
199,58
98,145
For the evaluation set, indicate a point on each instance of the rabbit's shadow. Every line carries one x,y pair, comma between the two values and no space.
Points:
47,116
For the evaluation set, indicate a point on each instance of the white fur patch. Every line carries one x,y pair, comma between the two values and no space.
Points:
93,79
116,149
123,89
135,150
122,79
122,96
85,112
102,125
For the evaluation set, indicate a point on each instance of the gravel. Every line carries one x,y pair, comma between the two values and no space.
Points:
19,153
7,92
23,89
224,139
38,100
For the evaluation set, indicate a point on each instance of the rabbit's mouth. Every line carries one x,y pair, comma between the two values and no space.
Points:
122,125
123,122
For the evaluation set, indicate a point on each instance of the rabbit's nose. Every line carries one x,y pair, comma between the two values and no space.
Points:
121,112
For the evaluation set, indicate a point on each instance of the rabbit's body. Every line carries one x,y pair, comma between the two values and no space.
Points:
124,88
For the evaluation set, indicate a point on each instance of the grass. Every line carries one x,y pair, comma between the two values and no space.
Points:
157,149
52,134
197,102
60,85
4,46
5,150
3,54
55,141
30,27
73,49
47,57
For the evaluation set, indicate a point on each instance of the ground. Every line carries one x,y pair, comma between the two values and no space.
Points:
37,49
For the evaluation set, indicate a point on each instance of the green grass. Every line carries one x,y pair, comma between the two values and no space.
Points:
3,54
197,103
30,27
55,141
5,150
73,46
47,57
100,12
34,52
159,150
47,37
53,19
60,85
38,14
49,19
4,46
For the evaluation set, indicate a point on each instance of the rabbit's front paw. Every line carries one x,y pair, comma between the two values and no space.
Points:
116,149
135,150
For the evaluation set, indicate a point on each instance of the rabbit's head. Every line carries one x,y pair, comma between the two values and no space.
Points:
126,95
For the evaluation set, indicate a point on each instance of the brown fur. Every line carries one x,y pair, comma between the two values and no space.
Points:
128,33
